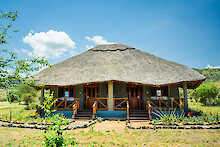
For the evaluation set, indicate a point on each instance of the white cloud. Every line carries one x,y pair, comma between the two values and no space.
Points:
27,52
51,44
89,46
98,40
213,67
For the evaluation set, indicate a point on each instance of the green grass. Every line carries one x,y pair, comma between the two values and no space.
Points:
123,137
218,84
206,109
18,113
113,133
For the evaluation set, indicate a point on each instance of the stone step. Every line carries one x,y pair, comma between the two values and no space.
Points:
139,118
83,118
138,113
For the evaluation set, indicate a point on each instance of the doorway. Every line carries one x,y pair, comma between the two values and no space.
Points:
135,97
91,93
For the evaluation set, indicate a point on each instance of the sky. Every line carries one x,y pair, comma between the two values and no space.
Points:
186,31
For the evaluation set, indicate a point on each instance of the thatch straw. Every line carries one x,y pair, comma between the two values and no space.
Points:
117,62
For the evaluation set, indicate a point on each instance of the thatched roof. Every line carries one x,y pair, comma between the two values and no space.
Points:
117,62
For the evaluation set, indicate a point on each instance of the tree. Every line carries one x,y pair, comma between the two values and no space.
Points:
27,94
14,71
207,93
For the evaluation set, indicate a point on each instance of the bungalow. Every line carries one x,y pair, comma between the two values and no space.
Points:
118,81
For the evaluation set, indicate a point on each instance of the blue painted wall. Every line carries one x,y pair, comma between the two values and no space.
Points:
111,114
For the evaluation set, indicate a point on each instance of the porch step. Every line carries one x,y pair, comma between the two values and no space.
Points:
83,118
138,118
84,115
138,115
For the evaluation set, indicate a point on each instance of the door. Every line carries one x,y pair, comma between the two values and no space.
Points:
135,97
91,93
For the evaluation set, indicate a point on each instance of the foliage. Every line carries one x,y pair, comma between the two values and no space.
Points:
13,70
54,137
206,93
12,96
3,95
48,103
210,74
99,119
170,117
27,94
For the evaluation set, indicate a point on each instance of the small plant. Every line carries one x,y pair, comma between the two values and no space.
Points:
48,103
169,117
99,119
54,136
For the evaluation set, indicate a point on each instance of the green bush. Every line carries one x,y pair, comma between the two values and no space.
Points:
206,93
3,95
27,94
12,96
54,137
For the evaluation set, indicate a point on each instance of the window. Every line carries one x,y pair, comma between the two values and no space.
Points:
71,92
153,91
66,92
162,91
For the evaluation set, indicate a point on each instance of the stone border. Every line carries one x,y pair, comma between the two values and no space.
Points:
179,124
12,125
30,123
172,127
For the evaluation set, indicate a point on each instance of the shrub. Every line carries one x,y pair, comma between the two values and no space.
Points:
206,93
48,103
54,136
3,95
12,96
27,94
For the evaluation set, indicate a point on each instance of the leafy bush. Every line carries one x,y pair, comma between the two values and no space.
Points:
48,103
27,94
3,95
12,96
54,136
206,93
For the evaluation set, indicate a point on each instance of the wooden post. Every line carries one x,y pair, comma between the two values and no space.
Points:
110,95
171,103
185,97
64,97
42,96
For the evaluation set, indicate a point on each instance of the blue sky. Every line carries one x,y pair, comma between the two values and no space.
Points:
187,32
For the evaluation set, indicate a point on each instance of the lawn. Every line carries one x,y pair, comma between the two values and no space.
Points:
113,133
206,109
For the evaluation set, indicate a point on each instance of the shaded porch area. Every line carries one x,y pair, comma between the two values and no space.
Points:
115,99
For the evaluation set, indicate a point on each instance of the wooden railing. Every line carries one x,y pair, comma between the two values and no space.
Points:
128,112
75,109
63,103
120,103
102,103
94,109
148,108
166,104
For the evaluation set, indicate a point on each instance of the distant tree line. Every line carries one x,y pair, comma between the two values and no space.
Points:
211,74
